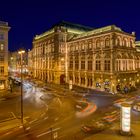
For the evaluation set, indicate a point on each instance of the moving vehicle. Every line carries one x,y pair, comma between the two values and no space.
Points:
113,116
136,107
129,100
94,127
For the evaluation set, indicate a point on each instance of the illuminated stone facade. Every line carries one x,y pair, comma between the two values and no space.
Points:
47,59
103,59
4,28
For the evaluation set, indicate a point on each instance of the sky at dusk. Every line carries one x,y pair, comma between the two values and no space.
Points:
32,17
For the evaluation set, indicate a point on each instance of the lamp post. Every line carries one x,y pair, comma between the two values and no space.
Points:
21,52
62,63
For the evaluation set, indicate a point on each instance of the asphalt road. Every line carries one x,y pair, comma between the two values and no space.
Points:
53,115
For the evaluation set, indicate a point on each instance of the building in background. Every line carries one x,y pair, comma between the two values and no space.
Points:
4,29
105,58
48,57
15,64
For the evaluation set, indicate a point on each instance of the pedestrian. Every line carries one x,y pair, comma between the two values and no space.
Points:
125,89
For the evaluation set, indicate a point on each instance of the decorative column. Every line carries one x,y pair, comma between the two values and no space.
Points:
73,79
127,64
93,81
121,63
102,83
133,64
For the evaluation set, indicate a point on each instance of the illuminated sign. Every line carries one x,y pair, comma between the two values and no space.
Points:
126,117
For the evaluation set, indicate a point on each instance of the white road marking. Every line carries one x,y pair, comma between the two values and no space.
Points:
13,115
45,118
42,134
32,121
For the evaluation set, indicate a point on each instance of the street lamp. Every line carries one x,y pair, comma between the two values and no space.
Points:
21,52
62,63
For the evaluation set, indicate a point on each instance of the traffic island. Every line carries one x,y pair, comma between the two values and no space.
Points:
126,133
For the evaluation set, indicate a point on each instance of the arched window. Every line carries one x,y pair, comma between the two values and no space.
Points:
118,41
90,63
71,62
76,63
98,43
118,61
98,63
107,42
125,44
82,62
107,62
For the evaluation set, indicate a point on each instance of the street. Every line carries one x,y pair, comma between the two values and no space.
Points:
52,115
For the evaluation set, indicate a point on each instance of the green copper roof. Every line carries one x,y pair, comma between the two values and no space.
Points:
73,26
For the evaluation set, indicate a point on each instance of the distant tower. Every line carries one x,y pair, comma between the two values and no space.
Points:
4,28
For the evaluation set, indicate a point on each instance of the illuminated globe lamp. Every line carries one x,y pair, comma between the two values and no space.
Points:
126,119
